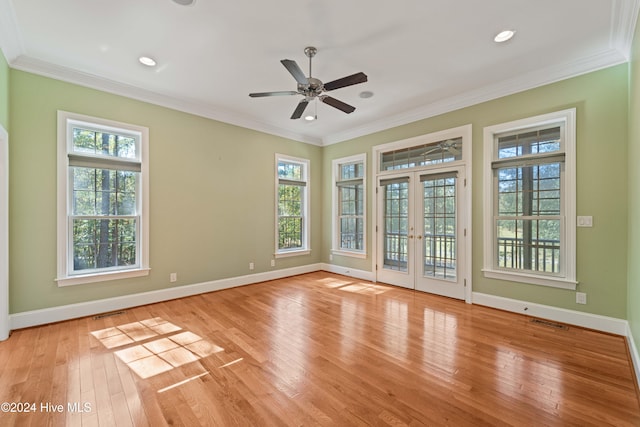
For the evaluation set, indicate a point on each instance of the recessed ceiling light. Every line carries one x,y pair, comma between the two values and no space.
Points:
149,62
184,2
503,36
310,118
366,94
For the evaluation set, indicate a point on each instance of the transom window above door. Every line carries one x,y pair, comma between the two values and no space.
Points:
426,154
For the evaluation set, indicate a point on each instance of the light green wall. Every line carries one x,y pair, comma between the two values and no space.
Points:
211,194
211,182
601,102
633,299
4,92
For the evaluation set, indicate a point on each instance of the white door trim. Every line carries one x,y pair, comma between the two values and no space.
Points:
464,131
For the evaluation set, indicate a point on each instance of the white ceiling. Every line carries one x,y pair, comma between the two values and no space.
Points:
422,57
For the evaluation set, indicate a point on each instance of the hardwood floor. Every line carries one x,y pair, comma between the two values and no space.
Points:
317,349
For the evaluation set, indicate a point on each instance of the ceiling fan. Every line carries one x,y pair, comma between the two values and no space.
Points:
312,88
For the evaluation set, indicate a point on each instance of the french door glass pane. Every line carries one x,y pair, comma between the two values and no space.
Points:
439,233
396,221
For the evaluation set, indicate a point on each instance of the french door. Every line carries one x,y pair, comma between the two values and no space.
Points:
420,230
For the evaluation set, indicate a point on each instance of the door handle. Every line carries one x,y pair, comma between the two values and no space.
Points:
418,237
411,236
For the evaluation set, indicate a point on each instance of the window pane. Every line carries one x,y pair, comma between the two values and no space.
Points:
290,200
351,233
290,203
289,232
103,243
351,171
532,245
103,143
422,155
529,190
529,142
291,171
104,191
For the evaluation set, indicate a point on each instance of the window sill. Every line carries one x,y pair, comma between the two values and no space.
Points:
101,277
532,279
292,253
361,255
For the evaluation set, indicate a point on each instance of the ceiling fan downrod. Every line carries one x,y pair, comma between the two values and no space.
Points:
310,51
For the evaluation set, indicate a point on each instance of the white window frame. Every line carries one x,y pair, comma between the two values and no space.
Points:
336,165
566,279
65,274
306,217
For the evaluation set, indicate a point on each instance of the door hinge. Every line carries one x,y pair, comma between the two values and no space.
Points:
465,182
376,228
465,283
376,267
376,190
465,232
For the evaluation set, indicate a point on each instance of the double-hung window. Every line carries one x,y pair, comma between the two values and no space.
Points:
349,206
530,200
292,206
102,200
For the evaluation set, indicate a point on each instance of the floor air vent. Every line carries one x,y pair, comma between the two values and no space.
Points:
550,324
113,313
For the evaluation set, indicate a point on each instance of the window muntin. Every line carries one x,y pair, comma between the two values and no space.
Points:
349,205
102,226
531,220
292,205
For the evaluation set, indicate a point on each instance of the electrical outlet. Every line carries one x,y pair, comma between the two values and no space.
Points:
330,257
273,263
173,277
251,266
581,298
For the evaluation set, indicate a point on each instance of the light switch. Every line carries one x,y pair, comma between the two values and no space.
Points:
585,221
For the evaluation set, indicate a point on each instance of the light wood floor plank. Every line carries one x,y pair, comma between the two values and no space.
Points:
318,350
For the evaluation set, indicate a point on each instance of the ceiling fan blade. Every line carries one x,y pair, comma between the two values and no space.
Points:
300,109
338,104
346,81
278,93
295,71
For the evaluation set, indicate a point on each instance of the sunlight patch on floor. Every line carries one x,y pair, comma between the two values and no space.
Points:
161,346
365,288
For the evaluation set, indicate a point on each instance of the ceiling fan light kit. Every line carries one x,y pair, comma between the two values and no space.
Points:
312,88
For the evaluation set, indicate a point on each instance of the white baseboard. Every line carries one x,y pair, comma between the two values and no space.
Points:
71,311
633,350
610,325
351,272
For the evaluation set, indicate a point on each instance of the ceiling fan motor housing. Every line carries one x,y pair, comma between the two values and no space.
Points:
313,88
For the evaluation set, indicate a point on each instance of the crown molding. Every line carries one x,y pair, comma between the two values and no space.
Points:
521,83
624,17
